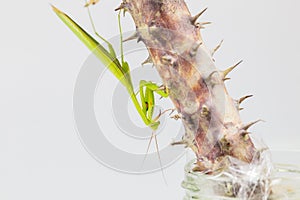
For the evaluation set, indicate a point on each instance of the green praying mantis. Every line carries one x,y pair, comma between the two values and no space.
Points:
121,70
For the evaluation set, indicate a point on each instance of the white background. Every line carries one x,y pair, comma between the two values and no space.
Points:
40,154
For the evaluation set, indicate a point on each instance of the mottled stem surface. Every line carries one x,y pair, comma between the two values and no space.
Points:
213,128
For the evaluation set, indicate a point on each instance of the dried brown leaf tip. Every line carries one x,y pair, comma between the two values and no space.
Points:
91,2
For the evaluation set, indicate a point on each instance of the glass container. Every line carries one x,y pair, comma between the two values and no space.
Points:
282,184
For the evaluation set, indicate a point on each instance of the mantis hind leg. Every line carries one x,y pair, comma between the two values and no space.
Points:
110,47
153,135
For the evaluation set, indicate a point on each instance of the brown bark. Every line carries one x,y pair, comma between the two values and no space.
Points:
213,128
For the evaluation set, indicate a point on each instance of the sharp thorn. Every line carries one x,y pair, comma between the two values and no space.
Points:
182,142
247,126
197,46
226,79
139,39
217,48
244,98
122,6
227,71
119,8
205,23
202,24
195,49
194,19
148,60
132,37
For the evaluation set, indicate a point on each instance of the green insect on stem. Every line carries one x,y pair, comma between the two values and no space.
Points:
121,70
101,53
147,90
105,57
